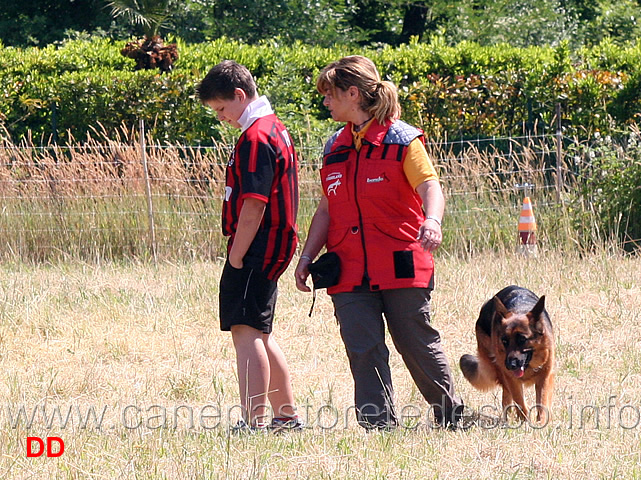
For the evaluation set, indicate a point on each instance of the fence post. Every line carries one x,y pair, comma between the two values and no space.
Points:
559,154
150,205
54,121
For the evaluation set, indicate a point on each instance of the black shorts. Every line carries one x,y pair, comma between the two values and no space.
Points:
247,297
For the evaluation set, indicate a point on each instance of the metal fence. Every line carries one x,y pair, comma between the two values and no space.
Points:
112,199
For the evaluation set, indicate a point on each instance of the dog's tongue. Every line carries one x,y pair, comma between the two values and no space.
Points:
518,373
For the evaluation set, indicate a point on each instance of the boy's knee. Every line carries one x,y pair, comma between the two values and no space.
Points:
245,333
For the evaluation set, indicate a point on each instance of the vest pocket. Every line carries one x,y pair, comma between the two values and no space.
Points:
401,231
381,180
404,264
336,236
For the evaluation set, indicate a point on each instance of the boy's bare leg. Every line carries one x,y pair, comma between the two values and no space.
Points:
280,394
253,372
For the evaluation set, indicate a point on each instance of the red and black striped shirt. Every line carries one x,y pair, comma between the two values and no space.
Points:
264,165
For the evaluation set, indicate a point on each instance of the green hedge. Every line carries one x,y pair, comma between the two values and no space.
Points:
454,91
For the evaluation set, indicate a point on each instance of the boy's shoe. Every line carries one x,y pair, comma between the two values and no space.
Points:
293,424
243,428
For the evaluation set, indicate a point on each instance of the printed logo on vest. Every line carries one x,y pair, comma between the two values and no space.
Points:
379,179
335,178
228,191
331,188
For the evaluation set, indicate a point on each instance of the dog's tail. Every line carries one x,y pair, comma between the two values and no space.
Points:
475,370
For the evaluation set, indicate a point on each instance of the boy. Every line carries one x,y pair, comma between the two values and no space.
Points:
259,216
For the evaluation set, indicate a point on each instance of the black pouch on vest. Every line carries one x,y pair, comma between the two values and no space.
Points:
325,273
326,270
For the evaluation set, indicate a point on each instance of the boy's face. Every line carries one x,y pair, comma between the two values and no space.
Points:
230,110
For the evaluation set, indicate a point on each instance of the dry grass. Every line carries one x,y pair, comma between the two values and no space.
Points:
137,339
139,345
88,201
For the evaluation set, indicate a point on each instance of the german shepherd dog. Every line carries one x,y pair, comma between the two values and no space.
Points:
515,348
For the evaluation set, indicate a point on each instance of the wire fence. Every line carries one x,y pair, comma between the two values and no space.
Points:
109,199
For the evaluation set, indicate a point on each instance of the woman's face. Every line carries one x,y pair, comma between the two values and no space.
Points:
342,104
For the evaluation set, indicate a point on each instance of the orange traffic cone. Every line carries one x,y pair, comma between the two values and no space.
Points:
527,229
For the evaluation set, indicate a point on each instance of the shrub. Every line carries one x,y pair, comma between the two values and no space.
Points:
608,201
455,91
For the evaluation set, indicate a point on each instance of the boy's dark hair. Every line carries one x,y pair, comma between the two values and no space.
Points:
223,79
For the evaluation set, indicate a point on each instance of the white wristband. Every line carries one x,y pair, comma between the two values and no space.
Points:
307,257
436,219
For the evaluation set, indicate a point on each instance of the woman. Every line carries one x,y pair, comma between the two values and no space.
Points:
381,213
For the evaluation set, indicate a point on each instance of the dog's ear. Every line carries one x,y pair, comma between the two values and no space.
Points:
500,310
535,314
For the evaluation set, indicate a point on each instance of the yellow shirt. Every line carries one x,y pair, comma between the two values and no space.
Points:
417,166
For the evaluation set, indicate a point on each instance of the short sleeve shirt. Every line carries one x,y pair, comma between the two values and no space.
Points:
417,166
263,166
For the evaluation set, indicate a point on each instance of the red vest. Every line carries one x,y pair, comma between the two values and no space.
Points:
374,212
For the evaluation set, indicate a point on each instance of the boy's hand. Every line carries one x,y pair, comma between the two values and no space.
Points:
237,264
251,214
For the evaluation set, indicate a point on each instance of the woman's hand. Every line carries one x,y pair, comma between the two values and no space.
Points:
301,274
316,238
430,235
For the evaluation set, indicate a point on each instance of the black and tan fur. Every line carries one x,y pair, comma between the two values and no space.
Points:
515,348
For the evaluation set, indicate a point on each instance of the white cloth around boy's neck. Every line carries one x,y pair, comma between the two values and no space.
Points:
257,109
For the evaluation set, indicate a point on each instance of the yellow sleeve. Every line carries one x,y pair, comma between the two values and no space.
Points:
417,165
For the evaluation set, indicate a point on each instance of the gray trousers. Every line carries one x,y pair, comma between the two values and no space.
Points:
360,316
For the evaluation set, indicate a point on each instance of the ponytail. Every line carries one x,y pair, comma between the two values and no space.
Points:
378,98
385,106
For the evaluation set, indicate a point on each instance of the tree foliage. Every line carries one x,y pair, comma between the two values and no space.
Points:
151,15
330,22
40,22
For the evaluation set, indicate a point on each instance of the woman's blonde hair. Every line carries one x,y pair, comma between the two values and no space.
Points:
379,98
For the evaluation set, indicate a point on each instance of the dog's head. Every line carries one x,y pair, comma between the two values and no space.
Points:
516,337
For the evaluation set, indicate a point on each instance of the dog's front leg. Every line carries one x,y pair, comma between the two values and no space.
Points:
544,389
513,394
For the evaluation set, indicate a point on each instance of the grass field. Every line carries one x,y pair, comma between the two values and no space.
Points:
138,345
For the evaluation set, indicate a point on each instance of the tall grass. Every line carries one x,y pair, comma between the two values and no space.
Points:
88,201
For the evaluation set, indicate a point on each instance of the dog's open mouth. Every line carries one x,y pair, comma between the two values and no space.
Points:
519,371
